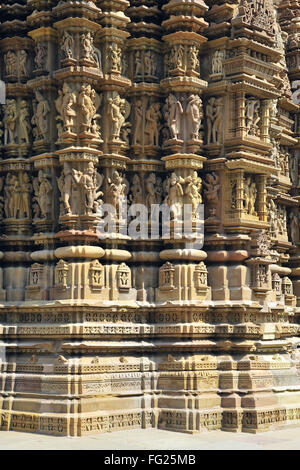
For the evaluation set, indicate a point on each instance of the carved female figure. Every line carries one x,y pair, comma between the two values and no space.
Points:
173,112
86,104
194,114
67,109
152,126
138,64
68,45
41,54
44,193
9,120
40,116
174,195
24,123
138,119
22,63
25,202
136,190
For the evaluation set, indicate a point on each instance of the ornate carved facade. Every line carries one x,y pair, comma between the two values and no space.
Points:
166,102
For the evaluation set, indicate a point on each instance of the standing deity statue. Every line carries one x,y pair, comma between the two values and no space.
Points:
174,195
24,122
89,182
68,45
217,62
43,193
25,197
22,63
117,110
40,56
194,115
193,60
116,193
150,190
113,56
138,120
153,117
40,117
138,64
86,41
214,120
11,63
294,227
136,196
149,63
193,192
65,185
9,121
87,108
250,195
252,116
65,107
173,112
177,56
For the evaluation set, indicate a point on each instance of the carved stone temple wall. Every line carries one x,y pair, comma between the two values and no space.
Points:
176,102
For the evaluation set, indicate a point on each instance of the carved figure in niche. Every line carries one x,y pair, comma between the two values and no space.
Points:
151,197
65,186
136,196
43,192
41,110
138,64
193,58
252,116
272,216
173,112
8,195
118,110
294,169
25,196
87,109
149,63
22,63
284,163
294,227
177,56
158,190
40,56
214,117
273,109
138,119
24,123
116,192
217,62
89,182
250,195
194,114
152,127
193,191
174,196
11,63
113,56
9,120
212,187
87,48
65,107
275,152
68,45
